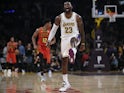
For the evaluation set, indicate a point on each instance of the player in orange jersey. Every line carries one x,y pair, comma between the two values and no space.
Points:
42,34
11,55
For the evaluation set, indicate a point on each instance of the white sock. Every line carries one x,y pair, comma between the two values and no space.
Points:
5,72
65,79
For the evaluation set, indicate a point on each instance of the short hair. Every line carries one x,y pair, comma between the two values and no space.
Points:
46,21
67,1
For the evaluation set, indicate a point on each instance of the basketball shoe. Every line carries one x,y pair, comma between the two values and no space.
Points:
65,87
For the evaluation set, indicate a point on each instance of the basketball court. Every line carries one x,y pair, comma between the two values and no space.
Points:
81,83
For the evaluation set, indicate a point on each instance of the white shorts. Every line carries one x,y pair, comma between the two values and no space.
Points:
66,45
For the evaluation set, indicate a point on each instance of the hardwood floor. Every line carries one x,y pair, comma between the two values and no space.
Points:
30,83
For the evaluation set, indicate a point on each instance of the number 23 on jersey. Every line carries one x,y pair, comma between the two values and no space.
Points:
68,29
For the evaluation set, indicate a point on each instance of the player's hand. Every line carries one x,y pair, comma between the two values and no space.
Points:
35,47
82,46
48,44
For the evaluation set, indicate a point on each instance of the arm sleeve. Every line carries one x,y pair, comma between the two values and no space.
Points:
53,32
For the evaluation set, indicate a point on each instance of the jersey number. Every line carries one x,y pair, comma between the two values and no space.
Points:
44,40
68,29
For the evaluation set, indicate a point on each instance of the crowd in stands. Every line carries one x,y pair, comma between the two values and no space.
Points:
26,57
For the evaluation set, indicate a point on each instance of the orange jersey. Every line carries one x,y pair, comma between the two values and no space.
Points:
42,40
42,37
11,47
11,52
46,52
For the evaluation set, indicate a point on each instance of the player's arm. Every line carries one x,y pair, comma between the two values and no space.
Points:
16,45
54,29
81,29
34,36
53,41
36,59
8,46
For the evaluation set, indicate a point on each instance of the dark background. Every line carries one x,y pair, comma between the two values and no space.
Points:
20,18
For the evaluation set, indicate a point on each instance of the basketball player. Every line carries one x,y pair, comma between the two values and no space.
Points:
11,55
72,33
40,46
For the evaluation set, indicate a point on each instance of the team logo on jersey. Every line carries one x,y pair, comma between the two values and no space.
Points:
68,24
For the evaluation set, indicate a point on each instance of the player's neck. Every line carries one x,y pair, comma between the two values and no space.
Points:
12,41
68,14
44,28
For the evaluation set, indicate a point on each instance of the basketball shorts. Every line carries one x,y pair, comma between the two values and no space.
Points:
45,51
11,58
66,45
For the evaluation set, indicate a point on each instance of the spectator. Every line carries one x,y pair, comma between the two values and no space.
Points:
4,56
120,58
21,56
29,58
78,61
85,59
55,66
113,62
4,51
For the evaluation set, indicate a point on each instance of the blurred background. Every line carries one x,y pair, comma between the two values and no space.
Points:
20,18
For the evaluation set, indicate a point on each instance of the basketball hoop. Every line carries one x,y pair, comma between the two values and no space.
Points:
112,17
